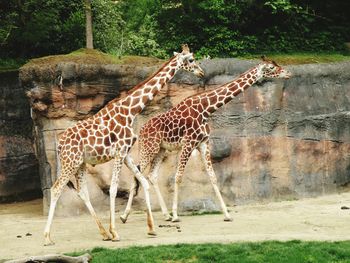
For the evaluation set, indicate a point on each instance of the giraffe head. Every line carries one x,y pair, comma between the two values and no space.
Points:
186,61
270,69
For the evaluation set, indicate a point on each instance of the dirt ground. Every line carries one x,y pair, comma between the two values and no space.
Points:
22,224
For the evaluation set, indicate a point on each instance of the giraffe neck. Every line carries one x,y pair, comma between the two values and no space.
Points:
128,107
220,96
144,92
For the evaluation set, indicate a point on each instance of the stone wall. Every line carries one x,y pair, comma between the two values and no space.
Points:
279,140
19,178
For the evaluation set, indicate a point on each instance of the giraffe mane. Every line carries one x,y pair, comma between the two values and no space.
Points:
209,91
150,77
141,83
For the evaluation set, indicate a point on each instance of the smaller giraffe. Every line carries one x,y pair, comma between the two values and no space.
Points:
185,128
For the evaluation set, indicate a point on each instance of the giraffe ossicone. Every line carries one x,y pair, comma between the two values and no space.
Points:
185,128
109,135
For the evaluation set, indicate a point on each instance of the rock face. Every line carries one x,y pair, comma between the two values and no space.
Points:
19,178
278,140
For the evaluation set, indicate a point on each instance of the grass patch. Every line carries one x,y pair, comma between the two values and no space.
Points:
303,58
270,251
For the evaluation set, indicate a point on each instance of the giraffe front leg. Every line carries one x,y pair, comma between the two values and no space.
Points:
112,195
184,156
150,222
175,198
206,159
55,193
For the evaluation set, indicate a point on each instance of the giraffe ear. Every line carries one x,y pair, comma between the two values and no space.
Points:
175,53
185,48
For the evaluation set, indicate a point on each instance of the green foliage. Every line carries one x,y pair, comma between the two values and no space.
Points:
35,27
217,28
271,251
143,41
141,29
231,28
108,24
73,31
11,64
283,6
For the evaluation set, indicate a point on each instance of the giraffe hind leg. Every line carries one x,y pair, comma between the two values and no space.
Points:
206,159
184,157
155,165
112,195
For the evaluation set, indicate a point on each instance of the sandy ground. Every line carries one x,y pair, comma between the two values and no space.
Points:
309,219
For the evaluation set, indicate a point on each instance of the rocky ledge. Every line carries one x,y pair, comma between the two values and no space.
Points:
278,140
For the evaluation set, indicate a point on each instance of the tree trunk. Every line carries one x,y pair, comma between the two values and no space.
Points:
89,41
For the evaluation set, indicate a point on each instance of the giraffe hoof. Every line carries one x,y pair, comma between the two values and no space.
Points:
49,243
168,218
152,233
106,238
123,218
228,219
115,239
174,220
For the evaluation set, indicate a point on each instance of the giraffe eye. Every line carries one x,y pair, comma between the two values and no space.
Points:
190,60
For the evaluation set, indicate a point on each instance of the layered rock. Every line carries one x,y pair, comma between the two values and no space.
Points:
278,140
19,178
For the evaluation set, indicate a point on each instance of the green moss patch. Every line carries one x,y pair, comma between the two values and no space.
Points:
303,58
90,56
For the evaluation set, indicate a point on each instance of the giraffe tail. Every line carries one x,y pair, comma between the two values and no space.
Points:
58,163
137,183
70,184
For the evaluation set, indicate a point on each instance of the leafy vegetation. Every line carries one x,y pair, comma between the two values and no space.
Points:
230,28
11,63
271,251
217,28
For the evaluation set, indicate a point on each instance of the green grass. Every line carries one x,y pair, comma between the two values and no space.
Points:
270,251
303,58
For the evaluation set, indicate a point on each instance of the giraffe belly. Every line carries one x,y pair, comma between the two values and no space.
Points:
99,155
171,146
93,160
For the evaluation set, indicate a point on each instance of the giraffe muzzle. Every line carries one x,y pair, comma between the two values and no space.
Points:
199,73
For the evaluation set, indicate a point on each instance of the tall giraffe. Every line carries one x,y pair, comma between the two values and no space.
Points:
109,135
185,128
